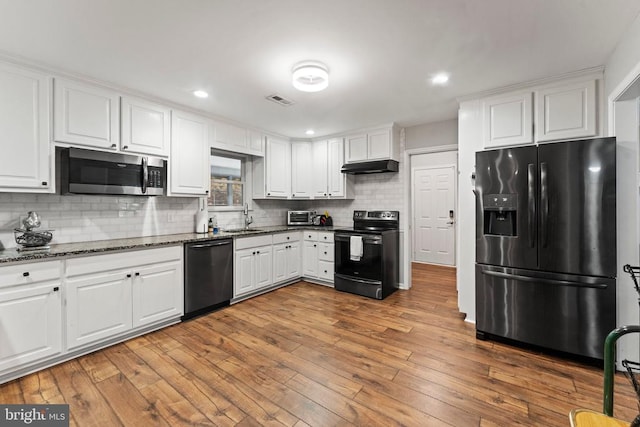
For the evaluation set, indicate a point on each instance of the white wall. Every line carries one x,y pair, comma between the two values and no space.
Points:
621,69
470,127
432,134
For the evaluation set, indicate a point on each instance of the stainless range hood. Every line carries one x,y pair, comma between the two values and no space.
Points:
374,166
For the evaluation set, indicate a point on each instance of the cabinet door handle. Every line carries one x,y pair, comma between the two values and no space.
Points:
315,246
128,275
257,252
137,273
125,147
113,145
288,237
56,289
268,194
44,183
325,252
25,274
254,252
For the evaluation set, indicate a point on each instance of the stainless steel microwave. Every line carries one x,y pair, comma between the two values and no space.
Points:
300,217
81,171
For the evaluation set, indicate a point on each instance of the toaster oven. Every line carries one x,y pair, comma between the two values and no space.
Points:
300,217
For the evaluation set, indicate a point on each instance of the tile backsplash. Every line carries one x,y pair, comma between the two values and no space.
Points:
80,218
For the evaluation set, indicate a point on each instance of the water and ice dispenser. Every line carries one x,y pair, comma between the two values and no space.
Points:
500,214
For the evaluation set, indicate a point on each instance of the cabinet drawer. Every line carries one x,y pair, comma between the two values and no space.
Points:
122,260
24,274
325,270
325,252
293,236
310,235
253,242
324,236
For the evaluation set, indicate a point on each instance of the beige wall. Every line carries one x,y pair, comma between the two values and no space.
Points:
432,134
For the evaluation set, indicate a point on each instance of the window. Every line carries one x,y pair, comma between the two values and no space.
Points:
227,180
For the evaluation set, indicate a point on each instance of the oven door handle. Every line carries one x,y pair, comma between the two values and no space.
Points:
372,240
359,280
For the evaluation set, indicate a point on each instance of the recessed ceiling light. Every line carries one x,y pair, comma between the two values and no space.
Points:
310,76
200,94
440,79
310,132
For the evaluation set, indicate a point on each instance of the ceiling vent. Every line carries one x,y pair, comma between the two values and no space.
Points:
280,100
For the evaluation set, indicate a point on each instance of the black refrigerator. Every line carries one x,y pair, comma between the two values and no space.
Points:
546,245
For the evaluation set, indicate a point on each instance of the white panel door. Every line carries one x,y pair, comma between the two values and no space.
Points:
98,306
507,120
335,178
301,169
319,170
278,168
157,293
433,215
379,144
280,253
263,267
145,127
356,147
86,115
189,162
24,126
310,258
567,111
30,323
294,258
243,271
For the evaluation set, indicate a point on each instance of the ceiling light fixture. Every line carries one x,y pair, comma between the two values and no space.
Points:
310,76
440,79
310,132
200,94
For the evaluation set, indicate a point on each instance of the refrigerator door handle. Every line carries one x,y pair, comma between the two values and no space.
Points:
531,196
545,281
544,202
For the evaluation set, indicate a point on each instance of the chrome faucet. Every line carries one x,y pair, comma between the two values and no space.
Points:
247,219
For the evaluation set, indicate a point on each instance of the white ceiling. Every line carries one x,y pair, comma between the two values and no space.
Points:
381,53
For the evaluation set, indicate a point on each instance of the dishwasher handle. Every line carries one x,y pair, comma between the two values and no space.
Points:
210,244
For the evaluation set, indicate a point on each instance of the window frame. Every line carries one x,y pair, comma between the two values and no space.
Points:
246,166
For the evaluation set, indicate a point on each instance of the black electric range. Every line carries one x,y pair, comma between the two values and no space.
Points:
367,255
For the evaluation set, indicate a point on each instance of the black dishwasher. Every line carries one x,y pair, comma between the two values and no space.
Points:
208,276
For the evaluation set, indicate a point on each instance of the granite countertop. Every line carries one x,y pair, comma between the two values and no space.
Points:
93,247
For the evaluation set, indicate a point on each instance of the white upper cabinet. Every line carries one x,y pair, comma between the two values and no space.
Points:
339,185
145,127
356,147
189,161
566,111
272,174
507,120
302,169
26,163
375,144
319,169
86,115
226,136
278,168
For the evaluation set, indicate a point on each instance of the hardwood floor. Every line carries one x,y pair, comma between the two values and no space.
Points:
308,355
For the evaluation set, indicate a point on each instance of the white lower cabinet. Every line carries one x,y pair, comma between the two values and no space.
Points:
30,313
318,255
156,294
109,295
286,256
253,264
98,307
